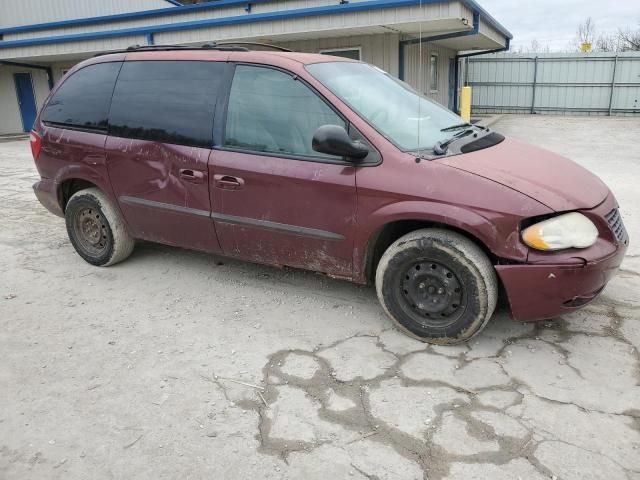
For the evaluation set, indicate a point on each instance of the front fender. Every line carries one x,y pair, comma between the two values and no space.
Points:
495,231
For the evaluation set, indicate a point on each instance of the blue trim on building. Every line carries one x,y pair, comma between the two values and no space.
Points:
249,17
487,17
174,2
119,17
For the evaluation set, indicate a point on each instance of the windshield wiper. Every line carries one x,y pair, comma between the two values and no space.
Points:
456,127
440,148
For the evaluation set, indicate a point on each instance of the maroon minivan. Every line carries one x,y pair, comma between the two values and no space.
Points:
326,164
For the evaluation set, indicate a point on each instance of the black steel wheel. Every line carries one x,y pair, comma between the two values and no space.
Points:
96,229
91,231
432,293
437,286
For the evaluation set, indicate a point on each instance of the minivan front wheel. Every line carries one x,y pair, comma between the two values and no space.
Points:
96,229
437,286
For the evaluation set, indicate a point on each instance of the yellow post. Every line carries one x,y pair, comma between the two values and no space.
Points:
465,104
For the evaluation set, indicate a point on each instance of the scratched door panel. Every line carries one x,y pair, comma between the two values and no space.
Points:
287,212
160,134
159,203
275,199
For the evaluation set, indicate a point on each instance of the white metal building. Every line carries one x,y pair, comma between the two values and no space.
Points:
420,41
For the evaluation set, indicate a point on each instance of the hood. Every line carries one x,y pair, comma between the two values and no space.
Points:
551,179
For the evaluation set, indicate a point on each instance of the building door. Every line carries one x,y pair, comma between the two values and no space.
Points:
26,99
452,84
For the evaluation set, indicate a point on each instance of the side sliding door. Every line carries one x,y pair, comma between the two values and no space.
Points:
160,140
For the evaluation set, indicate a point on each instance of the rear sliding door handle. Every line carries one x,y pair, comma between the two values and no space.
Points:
227,182
195,176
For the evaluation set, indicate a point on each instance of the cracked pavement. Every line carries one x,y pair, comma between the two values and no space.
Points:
180,364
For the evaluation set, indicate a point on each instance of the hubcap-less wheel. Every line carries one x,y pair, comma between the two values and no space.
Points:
433,292
91,231
96,229
437,285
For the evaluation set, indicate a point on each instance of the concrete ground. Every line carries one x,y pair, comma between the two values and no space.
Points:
149,369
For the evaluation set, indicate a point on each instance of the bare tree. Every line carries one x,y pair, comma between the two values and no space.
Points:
534,47
621,41
629,40
586,32
607,43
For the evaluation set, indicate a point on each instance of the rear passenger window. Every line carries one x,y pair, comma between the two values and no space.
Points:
83,99
166,101
270,111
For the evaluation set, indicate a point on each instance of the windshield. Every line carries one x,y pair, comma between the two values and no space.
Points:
404,116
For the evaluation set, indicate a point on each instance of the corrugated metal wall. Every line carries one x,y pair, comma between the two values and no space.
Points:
449,10
344,23
593,84
15,13
380,50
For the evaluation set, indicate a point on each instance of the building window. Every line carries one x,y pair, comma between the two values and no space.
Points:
433,73
354,53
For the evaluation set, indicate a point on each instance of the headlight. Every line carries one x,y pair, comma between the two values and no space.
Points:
570,230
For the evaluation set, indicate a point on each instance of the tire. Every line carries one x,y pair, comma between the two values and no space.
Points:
437,286
96,229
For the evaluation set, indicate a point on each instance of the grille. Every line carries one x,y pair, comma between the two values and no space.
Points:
615,222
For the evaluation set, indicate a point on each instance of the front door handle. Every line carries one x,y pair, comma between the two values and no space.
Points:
227,182
194,176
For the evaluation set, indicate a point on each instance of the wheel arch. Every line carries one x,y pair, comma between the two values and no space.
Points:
74,177
392,226
68,187
381,239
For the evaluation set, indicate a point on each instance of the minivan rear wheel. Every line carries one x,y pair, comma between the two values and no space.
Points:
96,229
437,286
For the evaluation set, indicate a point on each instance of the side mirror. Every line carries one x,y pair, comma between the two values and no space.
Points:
334,140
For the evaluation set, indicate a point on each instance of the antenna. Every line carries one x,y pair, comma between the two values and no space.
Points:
419,122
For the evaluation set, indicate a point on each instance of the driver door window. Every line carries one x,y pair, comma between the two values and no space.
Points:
271,112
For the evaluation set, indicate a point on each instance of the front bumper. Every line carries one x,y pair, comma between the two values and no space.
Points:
46,191
539,292
549,285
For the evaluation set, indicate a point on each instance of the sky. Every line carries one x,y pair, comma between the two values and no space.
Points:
554,22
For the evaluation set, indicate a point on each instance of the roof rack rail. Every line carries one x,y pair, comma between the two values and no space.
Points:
204,46
161,48
222,46
256,44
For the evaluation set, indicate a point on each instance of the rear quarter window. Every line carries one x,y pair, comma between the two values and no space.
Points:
166,101
83,100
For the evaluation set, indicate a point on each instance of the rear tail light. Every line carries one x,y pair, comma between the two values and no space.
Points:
36,144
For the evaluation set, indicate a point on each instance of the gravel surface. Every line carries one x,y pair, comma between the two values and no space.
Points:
176,364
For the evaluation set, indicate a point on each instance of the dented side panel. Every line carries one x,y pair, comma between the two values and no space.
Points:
158,202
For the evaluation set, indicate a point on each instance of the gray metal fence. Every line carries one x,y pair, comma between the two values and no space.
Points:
593,84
